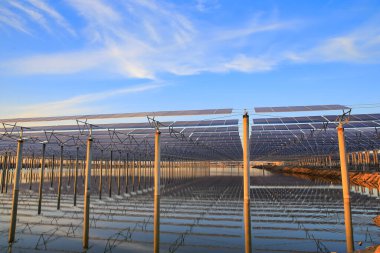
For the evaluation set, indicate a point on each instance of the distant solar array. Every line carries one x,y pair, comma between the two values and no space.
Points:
300,108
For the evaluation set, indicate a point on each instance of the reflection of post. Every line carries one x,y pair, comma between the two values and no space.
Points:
157,160
87,191
16,186
246,185
41,177
346,190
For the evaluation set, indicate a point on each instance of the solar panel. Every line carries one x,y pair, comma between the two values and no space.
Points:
123,115
315,119
300,108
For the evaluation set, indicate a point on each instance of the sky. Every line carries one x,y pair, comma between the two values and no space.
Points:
64,57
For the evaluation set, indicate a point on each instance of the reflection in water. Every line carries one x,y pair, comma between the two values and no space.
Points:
287,215
348,225
156,224
247,226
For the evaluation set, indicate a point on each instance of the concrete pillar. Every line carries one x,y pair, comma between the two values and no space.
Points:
87,193
101,176
76,177
60,180
31,172
330,162
346,190
16,187
157,161
133,174
3,175
119,175
52,172
41,178
110,177
375,158
126,174
246,185
139,175
150,174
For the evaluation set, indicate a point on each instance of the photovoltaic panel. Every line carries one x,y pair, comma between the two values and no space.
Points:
123,115
315,119
300,108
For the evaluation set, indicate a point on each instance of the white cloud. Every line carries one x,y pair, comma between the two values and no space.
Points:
140,39
206,5
9,18
361,45
33,14
76,104
63,63
43,6
246,64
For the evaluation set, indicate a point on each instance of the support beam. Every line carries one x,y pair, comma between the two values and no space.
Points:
246,185
346,190
87,193
157,161
41,178
16,188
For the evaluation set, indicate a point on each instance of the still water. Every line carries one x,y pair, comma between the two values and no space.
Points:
288,214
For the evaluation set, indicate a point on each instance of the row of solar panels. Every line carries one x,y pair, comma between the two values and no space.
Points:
315,119
123,115
315,126
300,108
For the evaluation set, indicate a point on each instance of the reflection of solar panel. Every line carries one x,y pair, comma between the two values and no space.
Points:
123,115
300,108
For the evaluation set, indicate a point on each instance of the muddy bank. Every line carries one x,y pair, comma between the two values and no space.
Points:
366,179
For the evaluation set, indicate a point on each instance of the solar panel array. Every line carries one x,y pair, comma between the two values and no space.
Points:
199,139
274,138
300,108
296,137
122,115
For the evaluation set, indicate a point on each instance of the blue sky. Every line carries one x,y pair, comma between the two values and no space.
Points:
67,57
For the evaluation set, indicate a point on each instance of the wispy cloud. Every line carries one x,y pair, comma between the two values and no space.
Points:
33,14
361,45
17,14
141,39
207,5
43,6
77,104
12,20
